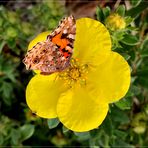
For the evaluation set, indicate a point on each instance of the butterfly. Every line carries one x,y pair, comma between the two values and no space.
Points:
53,54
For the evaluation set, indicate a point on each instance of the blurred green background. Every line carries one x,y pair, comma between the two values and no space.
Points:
126,124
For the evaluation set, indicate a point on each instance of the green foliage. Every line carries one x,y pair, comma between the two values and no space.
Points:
121,10
126,124
139,6
130,40
17,28
99,13
12,133
124,103
52,123
26,131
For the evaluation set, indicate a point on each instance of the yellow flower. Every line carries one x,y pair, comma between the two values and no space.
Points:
79,96
115,22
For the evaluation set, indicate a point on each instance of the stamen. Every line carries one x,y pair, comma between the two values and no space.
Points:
76,73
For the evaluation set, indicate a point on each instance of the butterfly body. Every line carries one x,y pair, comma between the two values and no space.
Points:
53,54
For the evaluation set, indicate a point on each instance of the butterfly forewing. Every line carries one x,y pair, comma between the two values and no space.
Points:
54,54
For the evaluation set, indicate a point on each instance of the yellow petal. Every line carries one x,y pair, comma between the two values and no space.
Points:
92,39
42,95
79,112
111,79
41,37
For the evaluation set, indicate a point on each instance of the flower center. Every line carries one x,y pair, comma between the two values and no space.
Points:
76,73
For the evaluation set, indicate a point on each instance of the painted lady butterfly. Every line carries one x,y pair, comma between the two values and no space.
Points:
53,54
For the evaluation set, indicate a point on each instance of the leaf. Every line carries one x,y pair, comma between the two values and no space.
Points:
144,45
1,139
119,35
118,115
120,134
122,143
128,20
142,72
142,77
124,104
108,126
121,10
135,11
130,40
132,28
143,81
135,2
11,43
6,90
106,11
26,131
65,129
2,44
99,14
126,56
82,135
144,55
15,136
52,123
134,90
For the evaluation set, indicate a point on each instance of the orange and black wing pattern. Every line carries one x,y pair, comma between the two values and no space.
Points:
54,54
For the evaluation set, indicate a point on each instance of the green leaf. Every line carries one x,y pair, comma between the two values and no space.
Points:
128,20
132,28
65,129
120,134
144,55
121,10
99,14
142,77
82,135
1,22
11,43
134,90
124,104
143,81
136,2
1,139
15,136
2,44
119,35
142,72
118,115
144,48
130,40
144,45
135,11
26,131
106,11
108,126
122,143
126,56
7,89
52,123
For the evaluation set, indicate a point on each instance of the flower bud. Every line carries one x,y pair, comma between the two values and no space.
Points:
140,129
115,22
139,123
